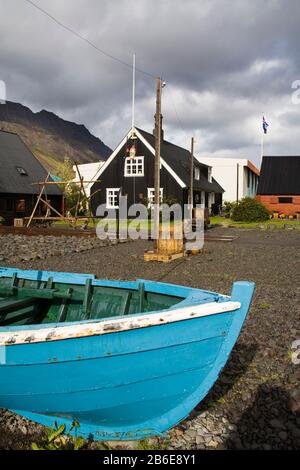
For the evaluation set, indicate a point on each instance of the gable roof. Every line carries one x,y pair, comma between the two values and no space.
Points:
279,175
178,159
174,159
15,154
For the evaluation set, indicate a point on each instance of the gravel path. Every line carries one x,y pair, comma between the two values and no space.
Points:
256,401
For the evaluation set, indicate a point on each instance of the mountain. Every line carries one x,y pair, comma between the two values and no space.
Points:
51,138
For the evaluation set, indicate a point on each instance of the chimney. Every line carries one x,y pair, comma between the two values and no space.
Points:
161,129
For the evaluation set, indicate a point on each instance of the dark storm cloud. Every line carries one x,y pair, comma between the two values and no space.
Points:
226,63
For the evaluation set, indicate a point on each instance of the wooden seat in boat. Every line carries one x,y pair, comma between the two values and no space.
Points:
15,311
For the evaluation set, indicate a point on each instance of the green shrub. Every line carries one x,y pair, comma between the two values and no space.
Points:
228,208
249,210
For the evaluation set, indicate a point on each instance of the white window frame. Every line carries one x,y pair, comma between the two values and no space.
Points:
115,194
197,173
131,164
209,174
151,195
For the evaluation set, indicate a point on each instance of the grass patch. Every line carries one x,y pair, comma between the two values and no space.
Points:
271,223
265,305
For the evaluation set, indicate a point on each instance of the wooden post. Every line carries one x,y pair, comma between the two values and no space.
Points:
191,198
38,200
157,157
56,211
237,181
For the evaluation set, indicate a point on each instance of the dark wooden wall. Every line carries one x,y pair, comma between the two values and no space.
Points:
10,205
113,177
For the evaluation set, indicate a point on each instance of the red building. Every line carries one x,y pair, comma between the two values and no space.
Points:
279,185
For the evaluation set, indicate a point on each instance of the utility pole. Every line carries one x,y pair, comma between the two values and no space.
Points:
157,156
237,181
191,199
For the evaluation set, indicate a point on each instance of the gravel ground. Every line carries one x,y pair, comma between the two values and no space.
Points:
256,401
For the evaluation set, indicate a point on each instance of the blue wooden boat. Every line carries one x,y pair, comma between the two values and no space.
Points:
127,360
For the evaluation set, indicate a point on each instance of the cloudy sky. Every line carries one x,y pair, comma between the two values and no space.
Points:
226,62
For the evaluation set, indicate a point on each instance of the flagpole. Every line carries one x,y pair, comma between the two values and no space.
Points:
262,140
133,91
132,113
262,147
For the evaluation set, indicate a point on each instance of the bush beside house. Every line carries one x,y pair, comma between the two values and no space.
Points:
249,210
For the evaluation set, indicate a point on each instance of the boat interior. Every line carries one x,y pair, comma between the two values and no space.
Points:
28,302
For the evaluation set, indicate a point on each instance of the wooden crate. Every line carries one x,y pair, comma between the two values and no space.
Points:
18,222
172,244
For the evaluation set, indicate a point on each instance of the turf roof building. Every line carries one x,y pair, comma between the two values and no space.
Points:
19,171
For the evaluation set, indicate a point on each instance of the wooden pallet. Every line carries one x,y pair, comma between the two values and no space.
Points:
164,258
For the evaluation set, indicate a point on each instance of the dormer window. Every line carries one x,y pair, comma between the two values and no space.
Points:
21,171
134,166
197,173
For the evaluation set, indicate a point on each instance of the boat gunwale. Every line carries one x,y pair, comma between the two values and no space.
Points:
73,330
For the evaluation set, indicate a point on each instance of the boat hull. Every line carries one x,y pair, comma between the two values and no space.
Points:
127,384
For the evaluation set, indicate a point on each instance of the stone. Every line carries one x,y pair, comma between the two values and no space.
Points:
294,401
199,440
275,423
213,444
283,435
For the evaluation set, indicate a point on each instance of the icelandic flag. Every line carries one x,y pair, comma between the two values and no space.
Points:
265,125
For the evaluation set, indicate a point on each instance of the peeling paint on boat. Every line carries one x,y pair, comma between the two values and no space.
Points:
115,325
121,375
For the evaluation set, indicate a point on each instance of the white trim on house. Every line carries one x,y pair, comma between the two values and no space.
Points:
197,173
112,190
149,147
163,163
112,156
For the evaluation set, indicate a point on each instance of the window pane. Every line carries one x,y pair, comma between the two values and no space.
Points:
20,205
285,200
134,166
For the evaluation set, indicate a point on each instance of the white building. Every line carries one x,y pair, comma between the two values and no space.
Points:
89,173
237,176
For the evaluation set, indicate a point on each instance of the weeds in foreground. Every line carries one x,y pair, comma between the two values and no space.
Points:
58,438
150,444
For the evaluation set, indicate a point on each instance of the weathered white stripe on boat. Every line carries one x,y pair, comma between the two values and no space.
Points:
114,325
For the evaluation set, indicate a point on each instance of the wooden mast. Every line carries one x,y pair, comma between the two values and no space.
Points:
157,157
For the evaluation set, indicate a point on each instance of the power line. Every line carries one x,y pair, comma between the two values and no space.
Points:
101,51
79,36
175,110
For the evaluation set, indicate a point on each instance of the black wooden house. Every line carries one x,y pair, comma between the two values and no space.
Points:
19,173
130,171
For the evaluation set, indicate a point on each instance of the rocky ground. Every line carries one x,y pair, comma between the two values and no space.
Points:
256,401
16,248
